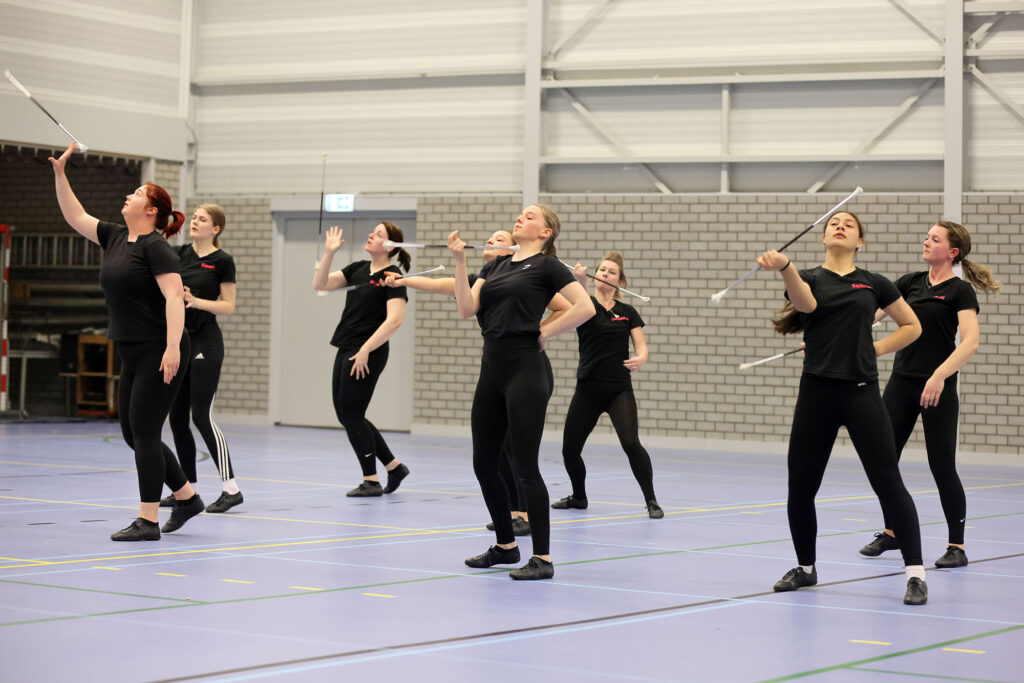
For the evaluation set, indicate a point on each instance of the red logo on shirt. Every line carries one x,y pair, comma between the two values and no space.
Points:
207,265
860,285
939,297
618,318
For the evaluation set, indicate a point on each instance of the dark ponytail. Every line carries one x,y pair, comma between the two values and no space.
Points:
395,235
980,276
166,216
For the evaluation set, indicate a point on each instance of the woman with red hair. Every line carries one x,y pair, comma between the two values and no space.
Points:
145,302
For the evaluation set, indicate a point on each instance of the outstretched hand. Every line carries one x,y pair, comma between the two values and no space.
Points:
456,245
772,260
333,241
60,162
580,273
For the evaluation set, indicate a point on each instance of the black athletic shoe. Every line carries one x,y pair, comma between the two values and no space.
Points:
520,527
225,502
882,542
654,510
139,530
533,570
167,502
494,555
570,502
796,578
917,592
395,478
366,489
954,557
182,512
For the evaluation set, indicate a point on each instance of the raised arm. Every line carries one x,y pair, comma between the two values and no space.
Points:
467,300
909,328
799,292
70,207
432,285
323,279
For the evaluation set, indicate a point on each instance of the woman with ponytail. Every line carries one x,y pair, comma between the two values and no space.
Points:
372,315
834,305
924,375
145,301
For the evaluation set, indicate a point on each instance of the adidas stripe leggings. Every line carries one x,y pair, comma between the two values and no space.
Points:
195,398
822,407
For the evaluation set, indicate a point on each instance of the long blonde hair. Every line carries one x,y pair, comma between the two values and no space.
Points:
217,217
550,221
977,274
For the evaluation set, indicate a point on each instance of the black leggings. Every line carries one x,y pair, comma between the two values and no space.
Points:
516,496
902,398
822,406
592,398
195,397
143,402
351,399
510,402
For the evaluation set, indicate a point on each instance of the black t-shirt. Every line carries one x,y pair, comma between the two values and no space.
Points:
838,332
604,342
204,275
516,293
135,305
936,307
366,308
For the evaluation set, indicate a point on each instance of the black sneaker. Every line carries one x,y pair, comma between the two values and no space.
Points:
520,527
954,557
570,502
494,555
533,570
395,478
182,512
796,578
366,489
882,542
139,530
654,510
225,502
167,502
917,592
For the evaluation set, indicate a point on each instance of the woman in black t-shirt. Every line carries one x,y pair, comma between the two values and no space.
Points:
924,375
208,273
373,313
145,303
834,305
603,385
511,397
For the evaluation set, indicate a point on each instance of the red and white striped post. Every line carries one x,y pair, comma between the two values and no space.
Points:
5,261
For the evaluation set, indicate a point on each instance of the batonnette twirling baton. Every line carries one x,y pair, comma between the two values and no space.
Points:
769,359
435,269
717,296
645,299
388,244
26,93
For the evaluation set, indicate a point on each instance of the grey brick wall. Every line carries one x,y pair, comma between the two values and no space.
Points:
681,249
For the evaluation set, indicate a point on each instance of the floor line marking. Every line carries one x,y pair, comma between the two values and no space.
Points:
957,649
235,581
379,595
870,642
169,574
306,588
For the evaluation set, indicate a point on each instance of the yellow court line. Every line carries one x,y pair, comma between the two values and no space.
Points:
113,569
379,595
234,581
871,642
22,559
851,519
71,502
306,588
970,652
169,574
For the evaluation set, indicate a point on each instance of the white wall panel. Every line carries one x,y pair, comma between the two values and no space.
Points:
381,140
996,141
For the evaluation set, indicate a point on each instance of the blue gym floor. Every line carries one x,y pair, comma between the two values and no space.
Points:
302,583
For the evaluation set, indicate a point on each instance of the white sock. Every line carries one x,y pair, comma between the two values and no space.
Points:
230,487
915,571
807,568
